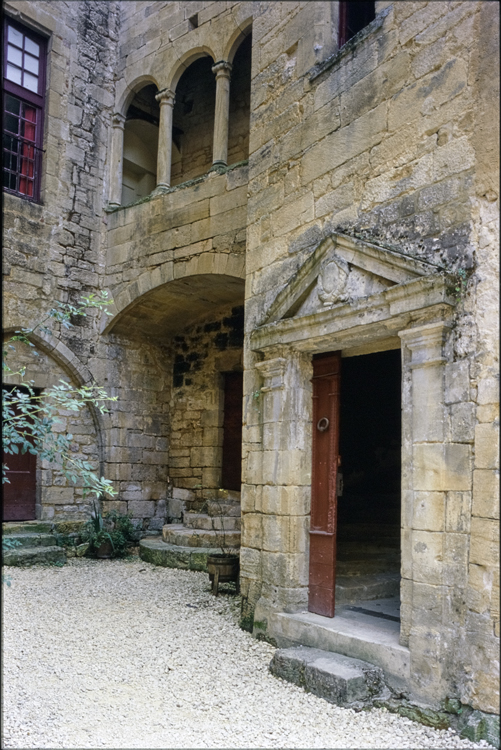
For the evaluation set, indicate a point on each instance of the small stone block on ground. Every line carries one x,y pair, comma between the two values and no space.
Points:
336,678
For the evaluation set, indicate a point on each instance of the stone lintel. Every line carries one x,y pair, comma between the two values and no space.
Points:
348,324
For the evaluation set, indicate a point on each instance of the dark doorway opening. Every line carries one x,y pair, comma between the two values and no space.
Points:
368,531
231,475
19,493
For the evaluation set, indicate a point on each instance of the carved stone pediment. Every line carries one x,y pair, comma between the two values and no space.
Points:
343,269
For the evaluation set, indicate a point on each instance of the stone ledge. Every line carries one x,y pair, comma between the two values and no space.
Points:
25,556
158,552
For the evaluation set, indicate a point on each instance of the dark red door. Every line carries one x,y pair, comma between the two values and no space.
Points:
19,493
325,461
232,431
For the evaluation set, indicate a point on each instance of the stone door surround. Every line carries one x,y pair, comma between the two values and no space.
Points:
410,308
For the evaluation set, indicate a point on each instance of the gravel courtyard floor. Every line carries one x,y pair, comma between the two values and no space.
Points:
122,654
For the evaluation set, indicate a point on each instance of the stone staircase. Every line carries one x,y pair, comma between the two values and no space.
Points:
368,567
36,543
187,544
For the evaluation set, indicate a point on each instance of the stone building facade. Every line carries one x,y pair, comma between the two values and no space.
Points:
254,195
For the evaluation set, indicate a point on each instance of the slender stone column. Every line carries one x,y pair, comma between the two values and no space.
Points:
222,71
116,159
164,158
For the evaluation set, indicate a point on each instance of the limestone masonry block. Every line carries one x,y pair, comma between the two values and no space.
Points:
486,493
428,554
441,467
429,511
458,512
487,446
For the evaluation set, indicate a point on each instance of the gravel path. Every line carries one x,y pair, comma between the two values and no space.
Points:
122,654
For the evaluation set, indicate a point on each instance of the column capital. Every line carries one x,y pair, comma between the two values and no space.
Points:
166,96
272,371
426,343
222,69
118,120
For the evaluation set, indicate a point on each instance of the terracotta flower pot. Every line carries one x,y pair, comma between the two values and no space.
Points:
105,550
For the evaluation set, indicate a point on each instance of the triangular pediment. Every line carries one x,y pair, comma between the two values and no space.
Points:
342,269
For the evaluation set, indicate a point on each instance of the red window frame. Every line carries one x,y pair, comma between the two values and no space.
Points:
23,113
354,15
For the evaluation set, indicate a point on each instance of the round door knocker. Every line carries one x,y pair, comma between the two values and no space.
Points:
322,424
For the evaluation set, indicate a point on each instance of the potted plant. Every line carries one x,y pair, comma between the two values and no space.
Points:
224,566
108,535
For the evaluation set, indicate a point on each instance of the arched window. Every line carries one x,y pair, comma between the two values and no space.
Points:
239,115
193,122
140,145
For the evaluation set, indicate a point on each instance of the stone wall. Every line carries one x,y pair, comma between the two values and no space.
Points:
380,141
201,355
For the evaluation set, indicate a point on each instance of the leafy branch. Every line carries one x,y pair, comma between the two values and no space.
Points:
31,419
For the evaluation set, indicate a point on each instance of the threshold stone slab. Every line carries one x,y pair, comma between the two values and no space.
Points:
336,678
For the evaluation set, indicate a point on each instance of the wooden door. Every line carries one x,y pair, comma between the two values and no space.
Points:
325,462
232,431
19,493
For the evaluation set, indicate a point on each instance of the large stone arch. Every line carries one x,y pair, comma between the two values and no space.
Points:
46,361
223,265
76,371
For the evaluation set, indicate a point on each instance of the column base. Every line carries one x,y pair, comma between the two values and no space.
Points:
160,189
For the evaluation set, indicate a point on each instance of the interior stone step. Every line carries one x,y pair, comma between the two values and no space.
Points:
180,536
368,565
215,508
228,496
336,678
157,552
211,523
33,540
351,589
25,556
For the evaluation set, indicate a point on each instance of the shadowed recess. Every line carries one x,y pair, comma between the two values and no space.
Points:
174,306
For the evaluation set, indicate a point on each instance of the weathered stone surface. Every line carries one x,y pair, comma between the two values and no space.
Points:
336,678
26,556
158,552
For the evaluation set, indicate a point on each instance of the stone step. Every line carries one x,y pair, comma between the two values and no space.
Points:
25,556
338,679
25,527
351,589
180,536
32,540
211,523
215,508
227,496
157,552
368,565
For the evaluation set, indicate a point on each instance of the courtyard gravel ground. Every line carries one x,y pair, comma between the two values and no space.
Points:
122,654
